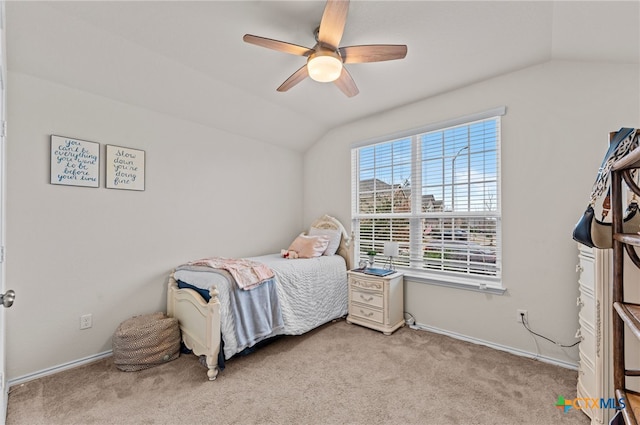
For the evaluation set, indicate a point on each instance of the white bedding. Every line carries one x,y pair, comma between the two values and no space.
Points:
311,292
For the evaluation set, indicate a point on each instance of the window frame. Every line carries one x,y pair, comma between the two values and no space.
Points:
467,280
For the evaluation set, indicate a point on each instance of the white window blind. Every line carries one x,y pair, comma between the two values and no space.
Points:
437,193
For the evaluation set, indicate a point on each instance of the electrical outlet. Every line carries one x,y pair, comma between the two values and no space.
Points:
86,321
522,313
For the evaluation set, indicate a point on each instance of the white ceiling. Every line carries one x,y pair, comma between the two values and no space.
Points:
187,59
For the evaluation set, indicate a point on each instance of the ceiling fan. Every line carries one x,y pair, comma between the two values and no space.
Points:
325,60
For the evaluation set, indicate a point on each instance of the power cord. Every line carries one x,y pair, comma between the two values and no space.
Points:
526,326
410,320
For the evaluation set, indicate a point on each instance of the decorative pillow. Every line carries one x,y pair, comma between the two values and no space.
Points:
334,236
309,246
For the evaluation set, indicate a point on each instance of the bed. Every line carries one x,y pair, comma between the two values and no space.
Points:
303,294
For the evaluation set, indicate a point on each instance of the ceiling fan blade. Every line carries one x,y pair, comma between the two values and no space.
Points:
372,53
346,84
295,78
332,24
281,46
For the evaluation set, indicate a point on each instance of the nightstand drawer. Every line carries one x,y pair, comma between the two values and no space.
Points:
373,299
366,313
366,283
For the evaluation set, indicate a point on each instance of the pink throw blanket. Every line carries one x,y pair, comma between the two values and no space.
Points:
247,273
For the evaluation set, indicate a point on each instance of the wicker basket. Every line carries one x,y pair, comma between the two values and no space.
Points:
145,341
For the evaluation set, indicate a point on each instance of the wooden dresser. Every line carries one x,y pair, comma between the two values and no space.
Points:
376,302
595,372
595,379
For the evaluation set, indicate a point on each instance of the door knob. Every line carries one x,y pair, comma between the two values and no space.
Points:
7,298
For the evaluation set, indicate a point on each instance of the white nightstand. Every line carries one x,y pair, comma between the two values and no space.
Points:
376,302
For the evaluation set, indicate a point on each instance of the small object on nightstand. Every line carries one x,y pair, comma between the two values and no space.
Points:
376,272
391,249
372,257
375,301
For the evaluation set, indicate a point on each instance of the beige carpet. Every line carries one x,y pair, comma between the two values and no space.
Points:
337,374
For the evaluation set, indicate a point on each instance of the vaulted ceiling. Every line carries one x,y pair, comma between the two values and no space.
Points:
187,59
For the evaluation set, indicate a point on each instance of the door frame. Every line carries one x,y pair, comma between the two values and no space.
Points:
3,126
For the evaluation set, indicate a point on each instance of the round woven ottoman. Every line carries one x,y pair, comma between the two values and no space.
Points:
145,341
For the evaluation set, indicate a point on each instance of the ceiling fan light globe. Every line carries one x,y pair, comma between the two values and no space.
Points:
324,68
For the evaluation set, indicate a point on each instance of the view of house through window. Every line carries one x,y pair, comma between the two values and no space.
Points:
437,194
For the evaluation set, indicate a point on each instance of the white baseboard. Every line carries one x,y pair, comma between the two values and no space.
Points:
517,352
55,369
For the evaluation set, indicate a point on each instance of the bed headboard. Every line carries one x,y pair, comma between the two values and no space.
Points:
346,247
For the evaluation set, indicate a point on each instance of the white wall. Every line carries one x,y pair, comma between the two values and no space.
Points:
554,135
76,250
73,250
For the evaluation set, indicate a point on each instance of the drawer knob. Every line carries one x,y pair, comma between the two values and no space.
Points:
367,299
579,268
369,314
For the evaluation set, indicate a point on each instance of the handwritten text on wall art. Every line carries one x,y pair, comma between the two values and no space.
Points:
74,162
125,168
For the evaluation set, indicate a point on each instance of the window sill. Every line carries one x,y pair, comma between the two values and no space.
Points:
466,284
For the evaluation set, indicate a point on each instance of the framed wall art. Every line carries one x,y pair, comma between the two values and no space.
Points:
74,162
124,168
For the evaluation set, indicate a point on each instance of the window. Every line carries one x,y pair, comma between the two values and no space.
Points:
437,193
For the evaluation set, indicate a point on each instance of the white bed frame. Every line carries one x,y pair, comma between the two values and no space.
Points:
200,321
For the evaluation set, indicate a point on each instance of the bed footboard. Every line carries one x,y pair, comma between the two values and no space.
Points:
199,322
